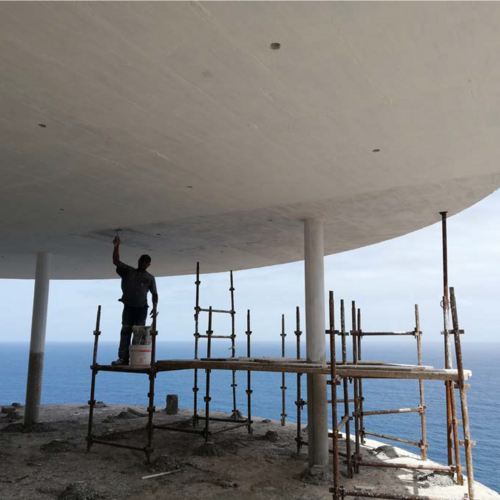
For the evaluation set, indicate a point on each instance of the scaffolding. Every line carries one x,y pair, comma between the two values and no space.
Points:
343,372
355,460
359,414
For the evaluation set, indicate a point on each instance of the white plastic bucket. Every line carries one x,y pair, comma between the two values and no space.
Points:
140,355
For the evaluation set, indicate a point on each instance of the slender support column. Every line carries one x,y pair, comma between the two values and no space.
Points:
317,408
37,345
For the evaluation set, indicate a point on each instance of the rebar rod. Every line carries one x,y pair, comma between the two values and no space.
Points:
207,376
196,341
357,446
152,378
298,333
333,385
346,391
249,376
418,336
283,376
463,396
97,332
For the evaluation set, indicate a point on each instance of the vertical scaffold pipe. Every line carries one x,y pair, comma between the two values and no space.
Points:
233,345
346,391
451,426
418,336
196,341
298,333
92,401
333,382
152,378
249,376
360,383
463,397
207,398
357,448
283,376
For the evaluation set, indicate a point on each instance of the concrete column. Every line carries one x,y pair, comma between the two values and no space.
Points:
37,345
317,413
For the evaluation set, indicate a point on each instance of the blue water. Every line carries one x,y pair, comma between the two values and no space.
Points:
67,380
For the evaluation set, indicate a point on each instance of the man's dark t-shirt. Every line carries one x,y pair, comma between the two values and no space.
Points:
135,285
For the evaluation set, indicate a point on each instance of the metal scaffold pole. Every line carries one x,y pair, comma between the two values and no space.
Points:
360,383
207,398
233,345
418,334
451,409
249,376
196,342
92,401
299,401
357,445
346,391
463,396
151,394
283,376
333,386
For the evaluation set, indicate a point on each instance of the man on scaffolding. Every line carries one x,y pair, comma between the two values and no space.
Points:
136,283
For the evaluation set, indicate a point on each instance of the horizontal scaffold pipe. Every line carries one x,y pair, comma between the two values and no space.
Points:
388,496
392,438
388,412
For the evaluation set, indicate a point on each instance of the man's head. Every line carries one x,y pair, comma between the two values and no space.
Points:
144,262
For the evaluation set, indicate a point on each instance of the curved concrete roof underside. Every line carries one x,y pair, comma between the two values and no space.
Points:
179,124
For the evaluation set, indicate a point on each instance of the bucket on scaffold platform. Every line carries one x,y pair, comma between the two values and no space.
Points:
140,355
140,350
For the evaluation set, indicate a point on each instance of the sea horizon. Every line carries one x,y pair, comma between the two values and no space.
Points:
67,381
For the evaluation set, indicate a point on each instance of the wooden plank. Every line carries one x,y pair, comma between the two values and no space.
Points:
411,372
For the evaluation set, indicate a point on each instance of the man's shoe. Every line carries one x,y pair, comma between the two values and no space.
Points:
119,362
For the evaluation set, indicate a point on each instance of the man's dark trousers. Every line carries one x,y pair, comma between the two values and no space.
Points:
132,316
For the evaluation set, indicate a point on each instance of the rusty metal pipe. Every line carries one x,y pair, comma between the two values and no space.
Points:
97,332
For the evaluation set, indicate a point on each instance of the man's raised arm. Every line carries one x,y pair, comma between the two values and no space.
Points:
116,251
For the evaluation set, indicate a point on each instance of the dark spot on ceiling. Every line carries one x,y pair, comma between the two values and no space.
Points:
189,187
42,125
158,234
275,46
61,210
376,151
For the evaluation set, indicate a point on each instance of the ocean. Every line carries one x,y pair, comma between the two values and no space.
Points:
67,381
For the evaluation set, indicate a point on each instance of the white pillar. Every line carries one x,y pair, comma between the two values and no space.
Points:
37,345
317,413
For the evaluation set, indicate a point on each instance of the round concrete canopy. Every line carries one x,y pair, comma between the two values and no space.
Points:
181,124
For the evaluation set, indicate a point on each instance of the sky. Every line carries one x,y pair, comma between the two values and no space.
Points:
386,280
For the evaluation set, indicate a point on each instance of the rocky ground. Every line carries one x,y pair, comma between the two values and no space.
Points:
51,462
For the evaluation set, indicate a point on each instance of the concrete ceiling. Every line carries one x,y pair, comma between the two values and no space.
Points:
178,123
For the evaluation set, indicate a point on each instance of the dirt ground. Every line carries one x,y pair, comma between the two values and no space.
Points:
51,462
